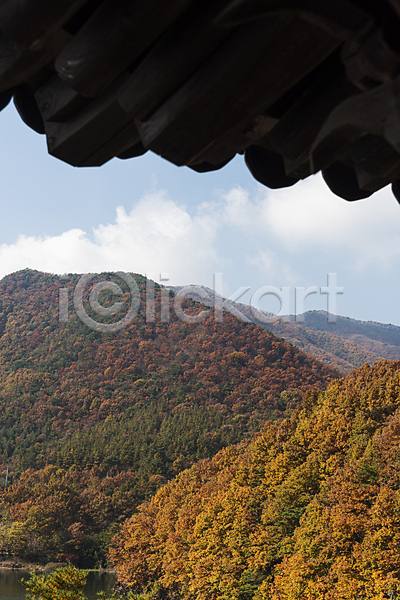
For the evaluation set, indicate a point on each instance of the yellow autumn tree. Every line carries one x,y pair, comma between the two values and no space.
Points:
309,509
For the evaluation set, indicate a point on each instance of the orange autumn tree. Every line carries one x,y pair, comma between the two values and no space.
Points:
54,514
309,509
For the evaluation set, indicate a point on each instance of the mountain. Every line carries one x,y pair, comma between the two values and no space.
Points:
309,508
93,421
345,344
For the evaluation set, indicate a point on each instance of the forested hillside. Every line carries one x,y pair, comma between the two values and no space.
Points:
338,344
344,345
309,509
92,423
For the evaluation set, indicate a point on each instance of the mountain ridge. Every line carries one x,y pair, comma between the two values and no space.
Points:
346,344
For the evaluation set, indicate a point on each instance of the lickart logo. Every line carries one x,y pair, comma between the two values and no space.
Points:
130,294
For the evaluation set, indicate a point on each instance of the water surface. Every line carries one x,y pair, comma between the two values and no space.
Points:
12,589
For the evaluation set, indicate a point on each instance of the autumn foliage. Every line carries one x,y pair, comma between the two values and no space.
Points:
54,514
93,423
57,379
309,509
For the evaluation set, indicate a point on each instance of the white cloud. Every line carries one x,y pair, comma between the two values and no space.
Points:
309,216
234,232
57,254
156,236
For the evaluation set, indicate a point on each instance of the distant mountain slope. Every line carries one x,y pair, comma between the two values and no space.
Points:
345,345
378,338
348,328
336,344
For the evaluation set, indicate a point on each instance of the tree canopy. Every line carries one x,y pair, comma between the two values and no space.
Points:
309,508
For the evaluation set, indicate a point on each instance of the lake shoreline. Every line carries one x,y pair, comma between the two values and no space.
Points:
22,566
12,588
19,566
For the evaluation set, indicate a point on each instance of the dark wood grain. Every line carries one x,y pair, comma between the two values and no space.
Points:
112,39
267,167
28,109
376,162
371,60
133,151
295,132
5,98
17,64
239,138
86,134
372,183
341,18
57,101
247,82
30,22
342,181
179,52
295,85
366,113
125,140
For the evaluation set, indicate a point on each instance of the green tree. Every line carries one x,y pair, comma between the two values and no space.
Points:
65,583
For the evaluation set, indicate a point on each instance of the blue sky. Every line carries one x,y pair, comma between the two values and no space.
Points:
148,216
